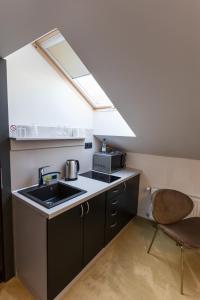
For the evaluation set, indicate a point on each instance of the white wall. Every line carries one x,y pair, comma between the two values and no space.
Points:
38,95
110,123
25,163
165,172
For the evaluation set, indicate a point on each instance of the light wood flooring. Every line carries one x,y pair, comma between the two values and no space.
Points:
126,272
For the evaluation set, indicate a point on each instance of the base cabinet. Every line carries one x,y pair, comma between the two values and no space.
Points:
122,203
94,227
129,203
73,239
64,250
59,248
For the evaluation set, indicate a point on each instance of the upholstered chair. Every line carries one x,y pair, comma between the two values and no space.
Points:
170,208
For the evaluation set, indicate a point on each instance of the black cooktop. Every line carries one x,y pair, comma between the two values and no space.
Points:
100,176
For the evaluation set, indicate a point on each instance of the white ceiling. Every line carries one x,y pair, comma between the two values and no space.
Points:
145,54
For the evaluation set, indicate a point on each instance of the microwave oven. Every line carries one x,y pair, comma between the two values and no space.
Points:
109,162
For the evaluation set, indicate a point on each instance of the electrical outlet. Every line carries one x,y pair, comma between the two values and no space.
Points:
88,145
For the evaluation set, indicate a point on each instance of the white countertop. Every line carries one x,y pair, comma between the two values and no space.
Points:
93,188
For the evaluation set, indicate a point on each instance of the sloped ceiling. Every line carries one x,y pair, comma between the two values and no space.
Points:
145,54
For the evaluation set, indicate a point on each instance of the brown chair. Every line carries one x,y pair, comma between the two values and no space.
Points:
170,207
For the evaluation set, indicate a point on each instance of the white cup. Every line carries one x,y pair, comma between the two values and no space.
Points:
34,130
75,132
21,131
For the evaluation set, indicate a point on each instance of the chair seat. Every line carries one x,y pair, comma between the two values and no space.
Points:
186,232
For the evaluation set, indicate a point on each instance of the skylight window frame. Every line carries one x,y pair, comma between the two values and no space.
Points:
60,70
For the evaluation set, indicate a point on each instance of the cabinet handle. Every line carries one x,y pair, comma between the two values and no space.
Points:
113,225
115,202
115,191
88,208
82,211
114,213
124,186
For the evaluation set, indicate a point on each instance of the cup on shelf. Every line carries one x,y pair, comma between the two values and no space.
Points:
81,132
66,131
75,132
21,131
34,131
70,132
60,131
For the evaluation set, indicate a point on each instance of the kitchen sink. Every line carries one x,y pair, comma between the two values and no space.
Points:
51,195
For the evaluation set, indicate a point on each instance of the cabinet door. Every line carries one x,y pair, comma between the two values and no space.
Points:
94,227
65,249
129,201
6,254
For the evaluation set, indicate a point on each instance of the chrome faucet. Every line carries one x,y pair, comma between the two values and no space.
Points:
40,174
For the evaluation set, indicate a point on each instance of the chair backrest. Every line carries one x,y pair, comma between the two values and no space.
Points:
170,206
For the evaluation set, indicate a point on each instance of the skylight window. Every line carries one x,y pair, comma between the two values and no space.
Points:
61,53
93,90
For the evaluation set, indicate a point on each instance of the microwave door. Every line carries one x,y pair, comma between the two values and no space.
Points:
116,163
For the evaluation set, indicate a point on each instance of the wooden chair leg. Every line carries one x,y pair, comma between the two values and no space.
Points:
153,239
182,269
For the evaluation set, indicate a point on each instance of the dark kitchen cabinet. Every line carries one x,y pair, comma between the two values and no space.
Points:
1,236
122,202
74,238
60,247
6,233
64,250
113,225
129,203
94,227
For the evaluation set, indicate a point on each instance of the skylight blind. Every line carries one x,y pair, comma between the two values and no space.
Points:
68,59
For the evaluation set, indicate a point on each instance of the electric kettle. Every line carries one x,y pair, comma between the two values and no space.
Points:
71,169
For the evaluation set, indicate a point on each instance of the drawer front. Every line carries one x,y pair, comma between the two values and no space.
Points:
115,191
113,217
112,228
113,209
113,224
114,212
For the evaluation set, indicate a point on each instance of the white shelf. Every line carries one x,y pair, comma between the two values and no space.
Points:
46,138
45,133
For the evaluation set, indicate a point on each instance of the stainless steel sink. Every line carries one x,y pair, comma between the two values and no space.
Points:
51,195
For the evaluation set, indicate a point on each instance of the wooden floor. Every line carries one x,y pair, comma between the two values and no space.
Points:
126,272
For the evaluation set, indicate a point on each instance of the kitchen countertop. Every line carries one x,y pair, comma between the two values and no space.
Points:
93,188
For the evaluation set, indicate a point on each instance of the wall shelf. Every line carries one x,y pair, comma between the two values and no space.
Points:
45,133
46,138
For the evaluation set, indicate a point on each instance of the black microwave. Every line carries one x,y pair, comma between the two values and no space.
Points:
109,162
